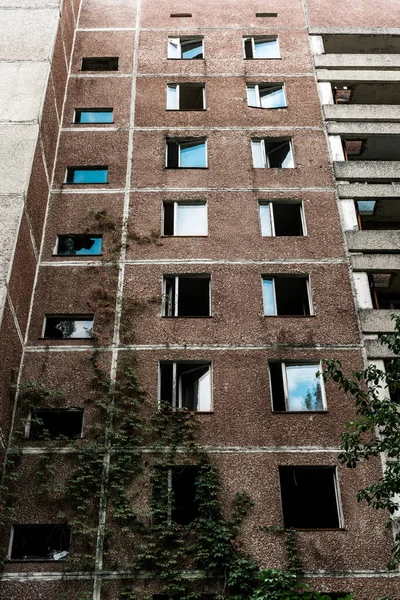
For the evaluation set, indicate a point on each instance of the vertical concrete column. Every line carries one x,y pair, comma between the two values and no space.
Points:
317,44
363,294
349,215
325,92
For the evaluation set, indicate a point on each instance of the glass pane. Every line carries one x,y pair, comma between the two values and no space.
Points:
280,155
252,95
89,176
191,219
269,297
304,388
192,49
195,388
272,97
93,116
256,149
79,244
173,48
172,97
366,207
192,154
265,218
266,48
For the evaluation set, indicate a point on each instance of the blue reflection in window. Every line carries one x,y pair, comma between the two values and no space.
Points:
94,116
89,175
78,245
192,154
269,297
192,49
366,207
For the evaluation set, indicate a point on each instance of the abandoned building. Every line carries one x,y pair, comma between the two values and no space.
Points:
199,204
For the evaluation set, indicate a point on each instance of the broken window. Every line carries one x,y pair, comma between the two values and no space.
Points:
272,153
185,385
261,47
187,153
68,326
102,63
309,497
93,115
281,218
188,48
296,387
174,494
79,245
81,175
187,295
385,290
266,95
186,96
40,542
286,296
185,218
53,423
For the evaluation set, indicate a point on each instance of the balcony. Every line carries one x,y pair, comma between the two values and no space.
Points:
368,190
367,170
376,321
373,241
357,61
362,112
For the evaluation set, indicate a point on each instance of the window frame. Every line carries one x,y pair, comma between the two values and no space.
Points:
56,245
270,204
264,153
176,384
93,110
179,141
176,204
35,560
87,168
252,38
165,305
256,86
179,46
178,97
288,276
283,364
68,317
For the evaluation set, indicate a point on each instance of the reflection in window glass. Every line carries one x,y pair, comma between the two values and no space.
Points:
87,175
304,387
266,48
366,207
68,328
191,219
100,115
192,154
265,219
266,95
192,49
79,245
269,297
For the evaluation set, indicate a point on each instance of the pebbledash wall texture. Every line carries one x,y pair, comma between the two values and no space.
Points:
185,181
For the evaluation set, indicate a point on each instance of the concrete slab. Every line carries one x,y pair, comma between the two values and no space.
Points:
357,61
361,112
372,169
27,34
11,208
377,263
22,90
376,321
373,241
368,190
17,147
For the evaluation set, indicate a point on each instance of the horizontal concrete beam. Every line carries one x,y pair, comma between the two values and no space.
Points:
377,263
376,321
354,76
369,169
357,61
363,128
375,349
374,241
362,112
368,190
354,30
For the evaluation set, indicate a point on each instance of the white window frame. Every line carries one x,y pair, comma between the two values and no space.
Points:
179,142
264,154
178,41
166,305
271,203
176,204
177,387
256,86
286,387
178,95
273,277
253,46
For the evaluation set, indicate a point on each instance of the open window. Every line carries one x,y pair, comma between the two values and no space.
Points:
281,218
93,115
187,295
40,542
266,95
185,218
102,63
272,153
56,423
186,96
310,497
186,153
174,496
261,47
68,327
79,245
296,387
286,296
187,48
84,175
378,214
186,385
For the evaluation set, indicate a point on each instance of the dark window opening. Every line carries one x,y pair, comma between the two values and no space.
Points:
278,153
385,290
267,14
83,175
277,389
40,542
175,496
378,214
287,219
169,218
187,296
103,63
392,367
93,115
71,245
286,296
342,95
185,385
174,15
68,327
309,497
191,96
56,423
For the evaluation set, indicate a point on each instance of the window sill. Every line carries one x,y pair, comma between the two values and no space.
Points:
66,339
268,108
200,235
299,412
264,58
197,59
317,529
289,316
35,560
97,123
86,184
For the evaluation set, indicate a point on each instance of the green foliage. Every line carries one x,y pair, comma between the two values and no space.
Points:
376,428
